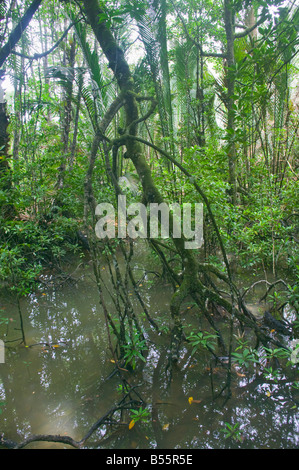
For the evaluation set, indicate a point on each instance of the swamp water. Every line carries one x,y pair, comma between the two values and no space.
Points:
63,388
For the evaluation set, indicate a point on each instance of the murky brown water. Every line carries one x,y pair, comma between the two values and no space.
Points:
62,389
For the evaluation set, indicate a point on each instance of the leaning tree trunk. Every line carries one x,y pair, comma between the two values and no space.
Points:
121,70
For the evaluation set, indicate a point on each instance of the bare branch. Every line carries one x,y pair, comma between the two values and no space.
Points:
252,28
67,439
44,54
16,34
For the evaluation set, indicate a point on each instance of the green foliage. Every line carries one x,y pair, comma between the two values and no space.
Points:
272,374
2,404
245,357
201,340
141,414
133,350
277,353
4,321
232,431
29,246
269,360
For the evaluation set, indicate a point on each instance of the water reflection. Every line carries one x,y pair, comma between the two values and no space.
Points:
58,385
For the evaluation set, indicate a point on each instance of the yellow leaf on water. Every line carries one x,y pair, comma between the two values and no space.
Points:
55,345
165,427
132,424
240,375
190,400
268,394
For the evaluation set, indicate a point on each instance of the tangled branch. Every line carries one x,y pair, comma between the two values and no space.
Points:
68,440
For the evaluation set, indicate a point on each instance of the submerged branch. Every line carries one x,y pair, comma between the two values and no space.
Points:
68,440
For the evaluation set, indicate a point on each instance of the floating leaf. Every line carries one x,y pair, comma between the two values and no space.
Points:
132,424
190,400
240,375
268,394
165,427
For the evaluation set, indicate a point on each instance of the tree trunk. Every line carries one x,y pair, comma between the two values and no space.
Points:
121,70
69,62
7,209
230,83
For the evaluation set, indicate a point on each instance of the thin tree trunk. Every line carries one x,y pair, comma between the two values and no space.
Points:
6,208
67,117
230,82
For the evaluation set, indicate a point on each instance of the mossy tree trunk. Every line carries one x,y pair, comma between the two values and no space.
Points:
121,70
